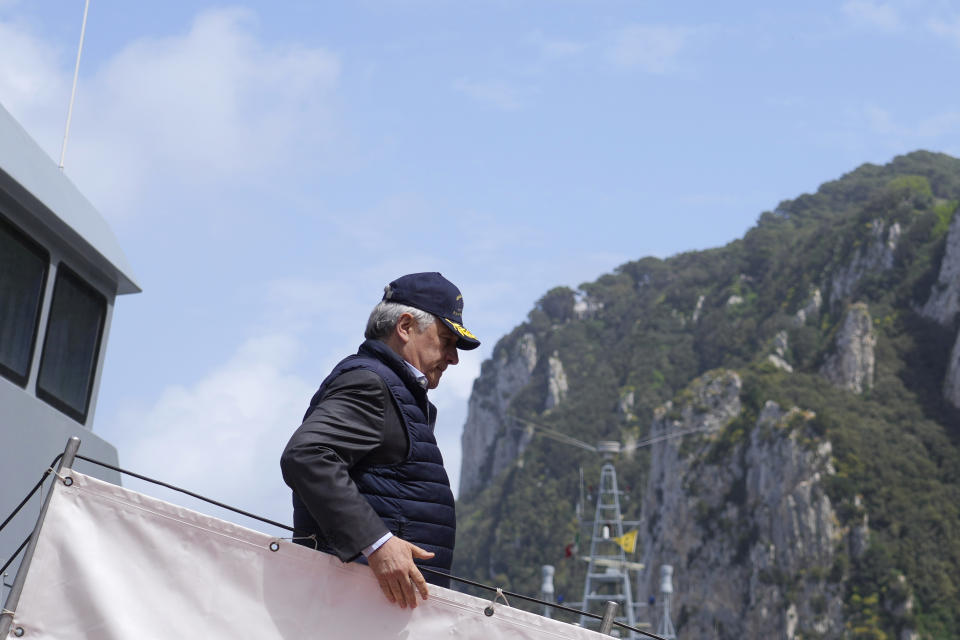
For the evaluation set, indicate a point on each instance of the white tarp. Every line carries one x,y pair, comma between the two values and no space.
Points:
113,563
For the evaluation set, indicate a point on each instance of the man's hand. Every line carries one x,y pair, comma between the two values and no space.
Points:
393,565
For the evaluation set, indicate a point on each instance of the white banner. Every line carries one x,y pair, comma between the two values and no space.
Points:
115,564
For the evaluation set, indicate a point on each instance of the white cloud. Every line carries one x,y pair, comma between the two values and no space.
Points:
298,304
496,94
34,87
880,120
940,124
918,133
872,14
390,217
654,49
208,107
223,436
711,199
29,71
949,29
550,47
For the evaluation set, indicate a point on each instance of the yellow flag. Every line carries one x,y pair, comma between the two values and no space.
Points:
628,541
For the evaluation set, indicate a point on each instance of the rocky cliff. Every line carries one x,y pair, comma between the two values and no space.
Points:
489,444
790,405
876,255
850,365
943,305
740,528
944,301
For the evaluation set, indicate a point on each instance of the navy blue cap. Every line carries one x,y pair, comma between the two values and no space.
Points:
433,293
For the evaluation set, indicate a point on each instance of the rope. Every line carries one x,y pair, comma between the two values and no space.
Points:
190,493
489,610
36,488
15,554
67,480
519,596
497,590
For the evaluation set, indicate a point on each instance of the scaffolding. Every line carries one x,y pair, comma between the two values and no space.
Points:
608,576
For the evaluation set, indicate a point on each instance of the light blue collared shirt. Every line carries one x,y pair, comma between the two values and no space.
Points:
421,379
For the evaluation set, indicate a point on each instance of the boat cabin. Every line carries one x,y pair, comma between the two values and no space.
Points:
61,269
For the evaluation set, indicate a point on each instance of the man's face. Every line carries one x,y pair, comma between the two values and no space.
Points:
432,351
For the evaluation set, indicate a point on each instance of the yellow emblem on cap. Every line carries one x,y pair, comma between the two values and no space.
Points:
463,331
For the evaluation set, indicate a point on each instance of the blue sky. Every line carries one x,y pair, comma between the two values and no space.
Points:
268,167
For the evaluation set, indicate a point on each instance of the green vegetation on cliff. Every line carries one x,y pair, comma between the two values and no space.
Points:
635,339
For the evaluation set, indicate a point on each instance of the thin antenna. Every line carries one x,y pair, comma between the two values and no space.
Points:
73,92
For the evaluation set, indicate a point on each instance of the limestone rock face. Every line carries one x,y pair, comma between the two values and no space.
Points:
739,527
951,385
779,363
943,305
859,537
625,406
944,301
698,308
811,309
877,255
556,383
484,452
781,342
851,366
778,357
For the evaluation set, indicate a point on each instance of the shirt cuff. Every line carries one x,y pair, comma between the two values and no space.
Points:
368,551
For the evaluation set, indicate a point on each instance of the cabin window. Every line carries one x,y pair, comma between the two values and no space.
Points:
23,276
72,344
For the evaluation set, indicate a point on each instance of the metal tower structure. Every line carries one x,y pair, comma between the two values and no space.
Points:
665,627
608,573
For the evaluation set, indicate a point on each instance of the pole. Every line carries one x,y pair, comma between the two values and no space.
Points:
546,588
73,91
13,598
609,611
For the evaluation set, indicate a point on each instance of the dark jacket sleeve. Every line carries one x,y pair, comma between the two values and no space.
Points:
346,427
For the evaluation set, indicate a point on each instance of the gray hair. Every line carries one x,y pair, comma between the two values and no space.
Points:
385,315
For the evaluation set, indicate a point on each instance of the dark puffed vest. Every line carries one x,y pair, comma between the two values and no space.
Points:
413,497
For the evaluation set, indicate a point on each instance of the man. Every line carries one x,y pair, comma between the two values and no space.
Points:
366,473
